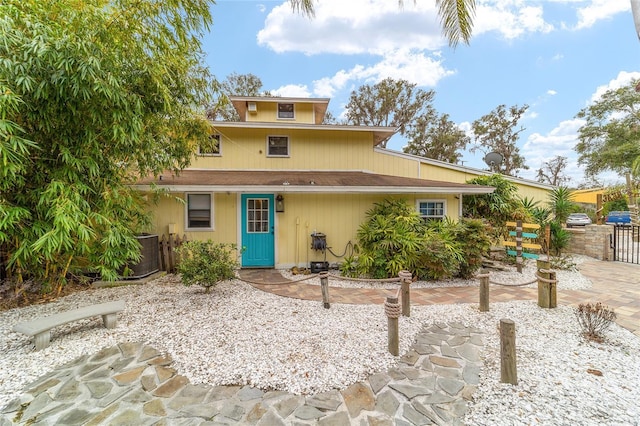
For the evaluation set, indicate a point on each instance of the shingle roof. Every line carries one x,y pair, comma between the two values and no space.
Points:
304,181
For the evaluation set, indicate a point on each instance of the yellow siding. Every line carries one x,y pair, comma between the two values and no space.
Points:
171,210
587,196
267,112
338,216
326,150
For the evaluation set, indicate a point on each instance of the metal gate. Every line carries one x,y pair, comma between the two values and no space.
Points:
626,244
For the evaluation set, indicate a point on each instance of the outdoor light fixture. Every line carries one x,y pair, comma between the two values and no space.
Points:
280,203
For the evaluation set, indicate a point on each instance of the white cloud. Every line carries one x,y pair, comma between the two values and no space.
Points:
413,66
353,27
600,9
623,78
551,92
562,140
511,19
293,91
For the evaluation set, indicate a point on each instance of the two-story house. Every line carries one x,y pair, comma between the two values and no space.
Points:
279,175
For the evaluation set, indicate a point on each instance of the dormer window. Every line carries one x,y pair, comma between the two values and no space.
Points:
285,111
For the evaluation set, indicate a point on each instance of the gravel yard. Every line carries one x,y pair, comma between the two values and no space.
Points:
240,335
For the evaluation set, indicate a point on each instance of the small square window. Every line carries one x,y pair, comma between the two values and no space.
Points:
432,209
278,146
211,147
285,111
199,211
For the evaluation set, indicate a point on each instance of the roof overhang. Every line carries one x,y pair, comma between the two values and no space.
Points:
346,182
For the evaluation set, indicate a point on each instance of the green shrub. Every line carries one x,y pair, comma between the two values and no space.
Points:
207,263
474,237
389,239
560,238
440,255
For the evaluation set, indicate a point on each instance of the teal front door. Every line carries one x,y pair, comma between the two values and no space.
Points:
257,230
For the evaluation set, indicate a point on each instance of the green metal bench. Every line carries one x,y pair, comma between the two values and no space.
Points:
41,327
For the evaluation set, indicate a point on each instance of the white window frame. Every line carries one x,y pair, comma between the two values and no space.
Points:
432,200
293,112
288,154
186,212
212,154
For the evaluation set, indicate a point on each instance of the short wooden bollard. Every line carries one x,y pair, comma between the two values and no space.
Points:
392,309
484,290
508,371
547,297
324,286
405,282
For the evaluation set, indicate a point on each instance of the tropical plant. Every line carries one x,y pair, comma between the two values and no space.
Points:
496,208
474,238
389,239
560,238
561,203
206,263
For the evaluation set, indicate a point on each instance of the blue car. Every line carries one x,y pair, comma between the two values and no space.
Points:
618,219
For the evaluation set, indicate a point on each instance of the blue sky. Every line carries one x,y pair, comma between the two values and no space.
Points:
556,56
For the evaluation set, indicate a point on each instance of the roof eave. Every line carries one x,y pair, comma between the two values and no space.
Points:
318,189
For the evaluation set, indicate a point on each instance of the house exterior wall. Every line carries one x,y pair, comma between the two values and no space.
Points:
268,112
325,150
338,216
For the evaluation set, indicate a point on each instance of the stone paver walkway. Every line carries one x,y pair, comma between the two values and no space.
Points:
134,384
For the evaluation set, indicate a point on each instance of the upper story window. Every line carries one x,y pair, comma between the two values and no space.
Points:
285,111
432,209
199,212
278,146
212,147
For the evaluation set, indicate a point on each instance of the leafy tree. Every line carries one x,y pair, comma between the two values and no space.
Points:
234,85
390,102
552,171
496,132
610,136
94,94
496,208
436,137
456,17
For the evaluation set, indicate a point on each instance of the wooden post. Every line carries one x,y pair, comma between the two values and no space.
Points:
544,292
324,286
405,282
519,245
165,255
484,290
599,209
508,370
553,296
547,238
393,339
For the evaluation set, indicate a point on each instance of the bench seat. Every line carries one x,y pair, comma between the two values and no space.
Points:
41,327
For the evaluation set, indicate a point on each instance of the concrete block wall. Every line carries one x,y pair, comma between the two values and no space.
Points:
592,241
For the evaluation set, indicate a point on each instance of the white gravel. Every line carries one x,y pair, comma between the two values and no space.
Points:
240,335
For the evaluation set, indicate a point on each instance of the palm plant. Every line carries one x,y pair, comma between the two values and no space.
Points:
561,203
